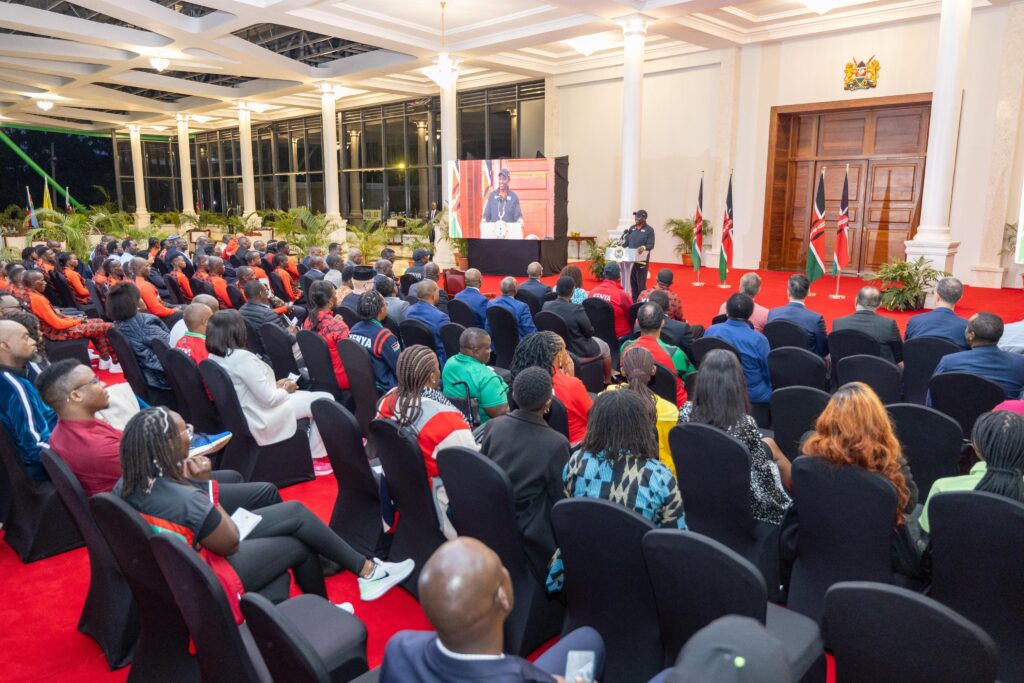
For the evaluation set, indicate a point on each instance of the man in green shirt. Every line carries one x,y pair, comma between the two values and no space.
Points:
467,371
651,320
964,482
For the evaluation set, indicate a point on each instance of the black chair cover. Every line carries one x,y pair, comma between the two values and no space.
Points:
350,317
77,349
785,333
133,373
704,344
879,374
530,300
602,317
235,296
931,443
450,334
504,334
663,383
176,295
843,343
920,356
278,345
194,402
406,281
317,357
558,417
790,366
794,412
964,397
277,286
254,342
461,313
359,370
416,332
552,322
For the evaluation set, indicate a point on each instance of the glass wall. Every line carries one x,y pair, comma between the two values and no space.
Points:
502,122
160,162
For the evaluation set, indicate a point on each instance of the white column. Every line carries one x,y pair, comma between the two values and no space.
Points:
934,240
138,171
248,181
328,112
634,30
188,203
449,138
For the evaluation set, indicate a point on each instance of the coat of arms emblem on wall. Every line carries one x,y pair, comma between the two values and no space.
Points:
861,75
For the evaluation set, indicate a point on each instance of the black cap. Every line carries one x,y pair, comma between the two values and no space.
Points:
611,271
665,276
420,254
732,649
640,212
363,273
504,173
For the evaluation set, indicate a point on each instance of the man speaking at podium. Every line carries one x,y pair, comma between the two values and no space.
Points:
639,236
502,218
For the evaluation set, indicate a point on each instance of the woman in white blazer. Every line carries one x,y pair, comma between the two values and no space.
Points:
271,407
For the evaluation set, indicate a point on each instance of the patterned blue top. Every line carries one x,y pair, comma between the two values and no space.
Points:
643,485
579,295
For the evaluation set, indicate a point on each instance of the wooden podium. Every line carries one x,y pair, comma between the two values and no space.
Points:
626,258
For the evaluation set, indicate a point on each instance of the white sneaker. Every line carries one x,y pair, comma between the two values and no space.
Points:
346,606
115,369
92,354
386,575
104,363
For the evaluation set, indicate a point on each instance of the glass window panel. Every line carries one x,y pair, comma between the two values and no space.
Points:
213,151
352,194
299,150
472,133
316,192
264,158
203,159
531,128
417,131
314,140
128,194
231,160
265,192
233,194
124,153
394,142
350,137
373,190
501,131
191,158
396,192
373,153
419,197
216,199
285,186
435,140
160,195
301,191
284,153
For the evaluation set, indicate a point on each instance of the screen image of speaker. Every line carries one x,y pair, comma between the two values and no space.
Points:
510,199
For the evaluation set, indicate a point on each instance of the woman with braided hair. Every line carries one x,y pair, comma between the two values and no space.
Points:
998,439
637,365
378,340
323,299
547,350
154,448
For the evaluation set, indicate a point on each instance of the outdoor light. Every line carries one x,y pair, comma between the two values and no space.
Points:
445,70
45,105
159,63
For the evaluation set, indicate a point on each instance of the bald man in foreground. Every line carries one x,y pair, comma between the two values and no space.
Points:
466,594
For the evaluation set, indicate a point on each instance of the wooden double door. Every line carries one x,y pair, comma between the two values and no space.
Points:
884,149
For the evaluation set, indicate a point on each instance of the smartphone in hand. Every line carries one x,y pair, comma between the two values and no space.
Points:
579,665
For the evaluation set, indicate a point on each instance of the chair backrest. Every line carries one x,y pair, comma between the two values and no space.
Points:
977,551
461,313
867,632
504,334
218,642
98,301
591,374
350,317
633,310
696,580
530,299
920,356
202,286
450,333
702,346
304,282
602,317
277,286
454,281
558,417
847,516
359,370
881,375
171,283
552,322
607,585
302,268
713,471
794,412
279,347
787,333
718,319
317,358
964,397
790,366
235,296
237,455
417,332
253,340
406,281
129,364
289,656
160,348
931,443
193,399
60,284
663,383
843,343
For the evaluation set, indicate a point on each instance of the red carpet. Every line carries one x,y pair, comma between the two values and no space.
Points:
41,602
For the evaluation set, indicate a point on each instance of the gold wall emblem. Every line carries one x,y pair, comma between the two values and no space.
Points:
861,75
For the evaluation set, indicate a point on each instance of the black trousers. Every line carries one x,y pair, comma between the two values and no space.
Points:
638,279
291,537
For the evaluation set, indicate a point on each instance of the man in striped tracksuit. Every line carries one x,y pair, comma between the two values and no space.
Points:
26,418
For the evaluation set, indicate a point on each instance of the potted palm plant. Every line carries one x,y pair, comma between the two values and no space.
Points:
681,230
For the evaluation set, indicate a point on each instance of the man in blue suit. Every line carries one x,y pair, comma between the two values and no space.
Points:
798,314
426,312
942,321
472,297
524,319
985,359
533,285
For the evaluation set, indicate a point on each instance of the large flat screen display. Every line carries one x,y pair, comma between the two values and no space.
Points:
512,199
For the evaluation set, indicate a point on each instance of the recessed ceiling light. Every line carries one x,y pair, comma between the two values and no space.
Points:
199,118
159,129
825,6
588,45
260,107
159,63
45,105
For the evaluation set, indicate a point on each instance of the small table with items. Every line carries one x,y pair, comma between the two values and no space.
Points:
579,240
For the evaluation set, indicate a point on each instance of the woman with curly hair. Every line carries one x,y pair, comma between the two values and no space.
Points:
547,350
579,294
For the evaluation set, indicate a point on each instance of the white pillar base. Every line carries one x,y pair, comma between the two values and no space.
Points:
983,275
938,252
142,219
443,254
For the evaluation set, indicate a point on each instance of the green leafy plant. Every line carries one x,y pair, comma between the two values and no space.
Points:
905,284
597,259
12,218
369,237
681,230
120,224
419,231
166,218
71,228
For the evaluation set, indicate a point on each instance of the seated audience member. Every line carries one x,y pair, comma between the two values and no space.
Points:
253,261
546,350
796,312
313,252
39,361
111,272
388,254
178,246
618,461
582,341
638,368
97,256
750,284
27,419
291,266
56,326
426,312
258,312
334,265
420,257
244,245
138,329
720,399
220,285
153,448
941,322
664,284
149,294
16,286
751,345
1013,337
417,405
178,273
998,439
397,306
869,322
68,263
579,295
379,341
432,272
532,284
316,268
466,375
202,268
466,595
985,358
472,297
357,279
193,343
678,332
45,259
323,299
181,327
271,408
385,269
611,291
519,309
268,255
355,256
651,319
532,454
291,289
9,304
